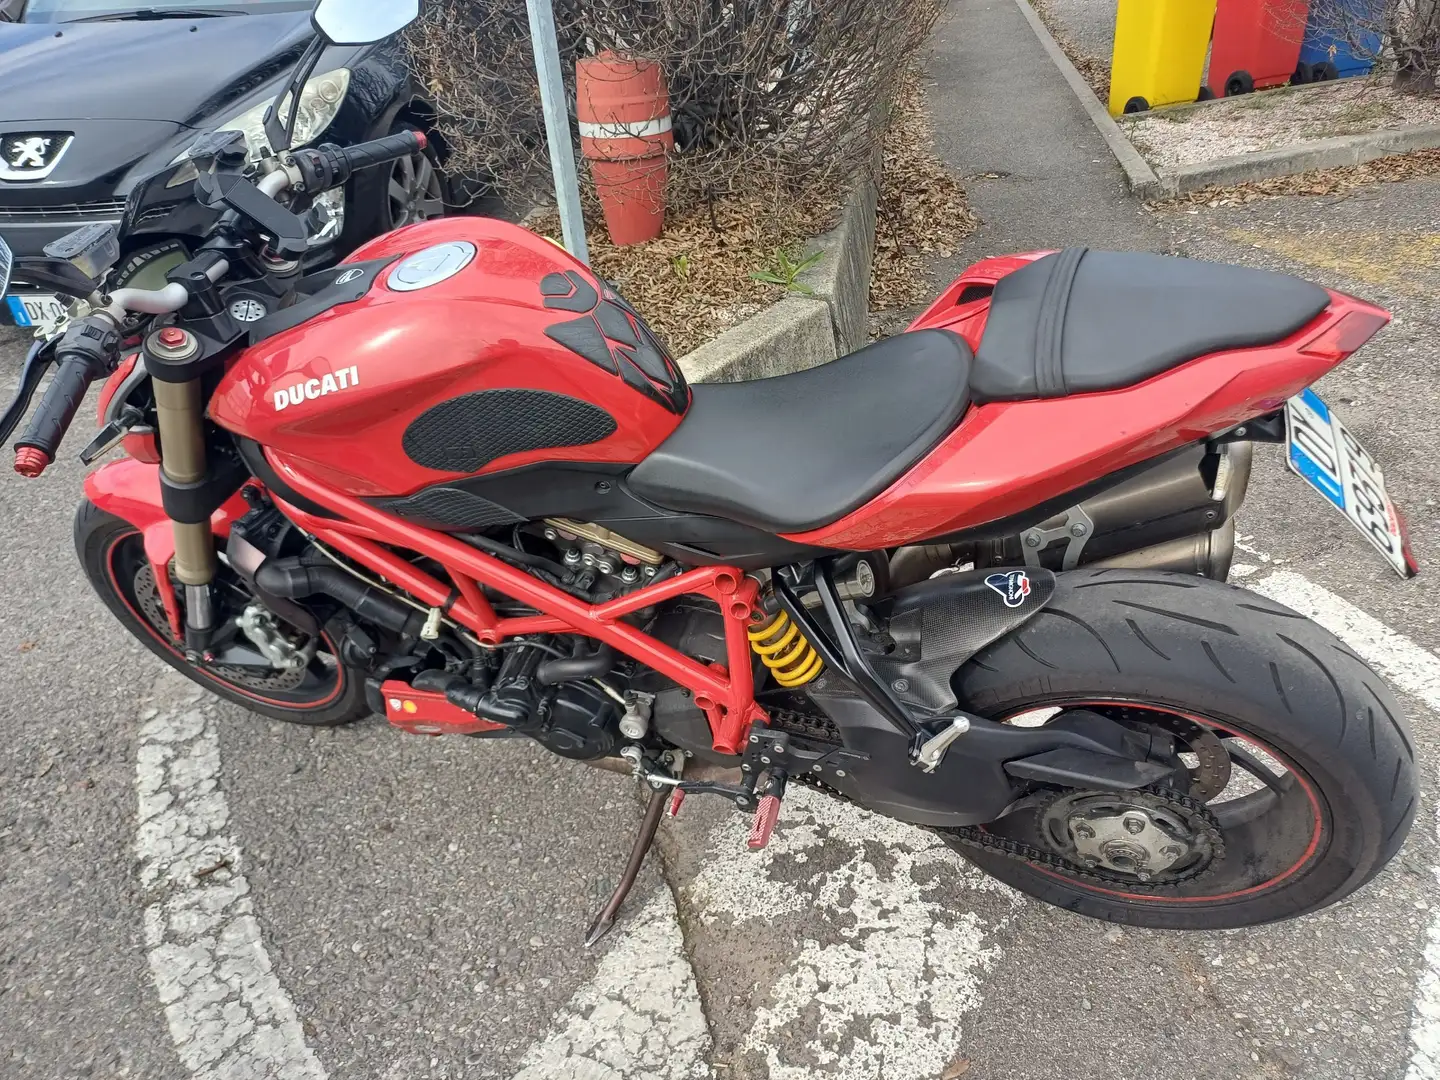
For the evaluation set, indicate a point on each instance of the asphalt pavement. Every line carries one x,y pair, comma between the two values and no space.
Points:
187,890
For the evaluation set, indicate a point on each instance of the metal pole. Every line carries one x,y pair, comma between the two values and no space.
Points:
557,127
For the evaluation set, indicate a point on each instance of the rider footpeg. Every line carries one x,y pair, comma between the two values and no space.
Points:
677,798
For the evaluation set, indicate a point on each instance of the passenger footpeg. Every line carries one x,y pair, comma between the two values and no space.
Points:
932,750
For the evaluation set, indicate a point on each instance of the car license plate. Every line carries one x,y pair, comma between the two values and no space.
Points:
33,309
1325,455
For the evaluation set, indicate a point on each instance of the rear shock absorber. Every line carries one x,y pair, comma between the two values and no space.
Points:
783,649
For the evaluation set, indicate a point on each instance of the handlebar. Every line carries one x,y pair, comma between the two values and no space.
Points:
90,345
329,166
85,353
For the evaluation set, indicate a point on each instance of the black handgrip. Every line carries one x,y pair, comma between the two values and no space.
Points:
328,166
367,155
58,407
85,353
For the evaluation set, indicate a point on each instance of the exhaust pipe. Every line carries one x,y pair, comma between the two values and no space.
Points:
1205,554
1176,515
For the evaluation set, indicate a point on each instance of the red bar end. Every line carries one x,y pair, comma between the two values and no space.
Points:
30,462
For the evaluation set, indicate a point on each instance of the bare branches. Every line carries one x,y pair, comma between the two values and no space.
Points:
1403,34
759,89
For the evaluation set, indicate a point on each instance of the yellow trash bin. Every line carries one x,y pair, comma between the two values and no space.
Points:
1160,50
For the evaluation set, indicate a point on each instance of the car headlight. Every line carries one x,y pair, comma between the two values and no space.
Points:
320,102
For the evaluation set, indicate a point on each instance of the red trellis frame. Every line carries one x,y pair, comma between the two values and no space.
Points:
725,694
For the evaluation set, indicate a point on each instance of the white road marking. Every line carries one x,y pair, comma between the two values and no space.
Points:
1416,671
638,1018
891,991
228,1014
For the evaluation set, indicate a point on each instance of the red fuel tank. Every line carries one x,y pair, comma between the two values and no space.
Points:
451,348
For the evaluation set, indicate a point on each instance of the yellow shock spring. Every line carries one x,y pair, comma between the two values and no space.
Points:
785,651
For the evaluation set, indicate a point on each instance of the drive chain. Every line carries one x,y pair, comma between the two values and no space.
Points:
975,837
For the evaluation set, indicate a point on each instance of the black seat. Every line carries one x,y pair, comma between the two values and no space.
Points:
799,451
1080,320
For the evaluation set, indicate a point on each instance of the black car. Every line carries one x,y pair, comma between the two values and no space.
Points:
95,95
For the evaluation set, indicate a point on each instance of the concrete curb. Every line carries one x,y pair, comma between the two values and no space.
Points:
804,330
1323,154
1138,173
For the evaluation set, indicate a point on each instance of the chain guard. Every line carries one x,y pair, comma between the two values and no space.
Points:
975,837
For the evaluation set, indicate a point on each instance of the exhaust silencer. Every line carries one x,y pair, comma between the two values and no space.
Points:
1176,515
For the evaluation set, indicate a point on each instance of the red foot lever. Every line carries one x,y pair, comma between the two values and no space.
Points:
766,814
30,462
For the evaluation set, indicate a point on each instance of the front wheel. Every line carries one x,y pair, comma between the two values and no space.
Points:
322,693
1302,779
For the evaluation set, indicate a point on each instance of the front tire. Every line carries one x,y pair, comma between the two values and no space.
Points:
1343,787
112,551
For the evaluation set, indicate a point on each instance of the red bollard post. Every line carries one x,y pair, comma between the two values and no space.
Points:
623,111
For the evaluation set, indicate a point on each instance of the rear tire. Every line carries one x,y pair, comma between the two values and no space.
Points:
1260,672
111,550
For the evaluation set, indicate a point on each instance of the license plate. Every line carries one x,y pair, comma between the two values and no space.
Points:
32,309
1323,453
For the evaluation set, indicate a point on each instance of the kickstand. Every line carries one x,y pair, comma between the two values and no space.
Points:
648,825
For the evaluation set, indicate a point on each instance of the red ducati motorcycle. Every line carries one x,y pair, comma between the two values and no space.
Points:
971,577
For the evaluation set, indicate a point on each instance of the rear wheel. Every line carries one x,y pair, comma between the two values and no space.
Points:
322,692
1238,83
1302,771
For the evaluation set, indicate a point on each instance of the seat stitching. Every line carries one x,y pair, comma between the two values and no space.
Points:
1054,301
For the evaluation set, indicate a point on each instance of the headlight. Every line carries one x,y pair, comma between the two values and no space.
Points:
320,101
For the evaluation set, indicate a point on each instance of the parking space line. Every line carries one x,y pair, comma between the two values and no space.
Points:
880,968
1416,671
884,973
638,1016
227,1012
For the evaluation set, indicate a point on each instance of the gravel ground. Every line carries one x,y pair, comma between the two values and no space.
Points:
1289,116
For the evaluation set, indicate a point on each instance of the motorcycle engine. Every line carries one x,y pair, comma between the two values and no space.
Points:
554,699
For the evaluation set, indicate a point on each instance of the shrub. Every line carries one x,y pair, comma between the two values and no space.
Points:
1403,35
760,90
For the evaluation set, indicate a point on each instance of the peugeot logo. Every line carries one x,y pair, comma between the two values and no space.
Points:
31,155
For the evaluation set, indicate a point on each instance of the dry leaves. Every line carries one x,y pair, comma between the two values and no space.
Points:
958,1068
922,211
694,281
1336,181
1093,69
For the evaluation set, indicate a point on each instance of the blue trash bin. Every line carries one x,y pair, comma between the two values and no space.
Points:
1322,45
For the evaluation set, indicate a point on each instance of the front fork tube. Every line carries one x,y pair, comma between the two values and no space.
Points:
179,411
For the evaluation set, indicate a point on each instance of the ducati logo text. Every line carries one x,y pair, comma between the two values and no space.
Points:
1014,586
311,389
